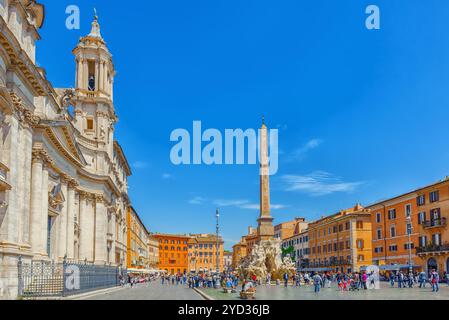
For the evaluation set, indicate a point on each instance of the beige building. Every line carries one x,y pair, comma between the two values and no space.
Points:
287,229
227,260
153,252
63,176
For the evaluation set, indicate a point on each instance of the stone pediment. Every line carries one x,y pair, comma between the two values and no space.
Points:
56,198
61,133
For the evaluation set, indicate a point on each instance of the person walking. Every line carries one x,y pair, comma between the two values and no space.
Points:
422,279
268,279
435,279
364,279
286,279
401,280
317,282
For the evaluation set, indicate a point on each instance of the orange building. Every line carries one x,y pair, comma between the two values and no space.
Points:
413,227
173,252
137,242
341,242
203,253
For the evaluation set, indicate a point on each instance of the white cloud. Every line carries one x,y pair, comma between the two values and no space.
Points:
197,200
237,203
230,203
167,176
318,183
300,153
139,165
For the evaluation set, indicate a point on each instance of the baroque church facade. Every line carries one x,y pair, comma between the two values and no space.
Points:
63,175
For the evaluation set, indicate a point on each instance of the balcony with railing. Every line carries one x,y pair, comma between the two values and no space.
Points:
434,223
433,249
4,185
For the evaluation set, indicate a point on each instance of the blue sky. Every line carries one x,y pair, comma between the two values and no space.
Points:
362,115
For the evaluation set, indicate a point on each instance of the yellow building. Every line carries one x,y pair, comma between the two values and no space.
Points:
341,242
137,242
412,228
203,253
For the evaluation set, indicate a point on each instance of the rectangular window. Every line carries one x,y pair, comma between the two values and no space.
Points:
393,248
435,215
434,196
408,210
378,249
421,200
409,228
340,228
421,217
90,124
423,241
392,232
335,229
378,217
379,233
347,225
436,239
360,244
359,224
408,246
392,214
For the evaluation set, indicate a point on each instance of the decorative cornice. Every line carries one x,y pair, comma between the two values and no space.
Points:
24,115
42,155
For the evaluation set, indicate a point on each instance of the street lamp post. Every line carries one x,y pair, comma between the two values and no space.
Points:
217,215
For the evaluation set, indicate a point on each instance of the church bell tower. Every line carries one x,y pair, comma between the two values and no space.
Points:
94,90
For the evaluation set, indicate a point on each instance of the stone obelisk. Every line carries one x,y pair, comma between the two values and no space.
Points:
265,229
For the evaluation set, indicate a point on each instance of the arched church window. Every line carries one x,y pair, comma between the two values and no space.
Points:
91,83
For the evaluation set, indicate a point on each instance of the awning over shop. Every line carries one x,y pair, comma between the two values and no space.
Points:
143,271
315,269
396,267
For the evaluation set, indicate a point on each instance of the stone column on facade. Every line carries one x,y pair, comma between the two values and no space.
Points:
78,72
85,76
20,186
97,75
44,211
63,220
101,80
27,192
113,238
106,84
11,232
100,230
84,228
70,239
36,204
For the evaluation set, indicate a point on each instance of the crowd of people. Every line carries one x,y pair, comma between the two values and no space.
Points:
405,280
343,281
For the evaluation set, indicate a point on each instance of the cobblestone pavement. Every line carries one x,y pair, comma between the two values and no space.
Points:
307,293
151,291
